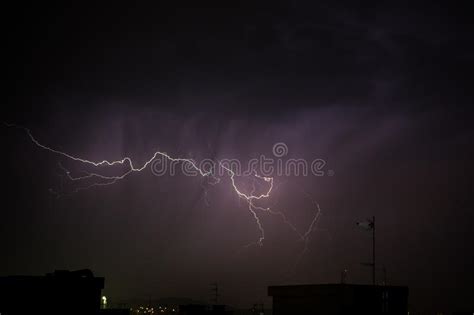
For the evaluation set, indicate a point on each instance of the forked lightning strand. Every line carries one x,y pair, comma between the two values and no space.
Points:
251,198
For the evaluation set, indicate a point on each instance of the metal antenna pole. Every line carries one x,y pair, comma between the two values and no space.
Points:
373,250
215,289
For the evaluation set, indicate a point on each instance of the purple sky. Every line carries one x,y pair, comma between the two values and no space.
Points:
381,94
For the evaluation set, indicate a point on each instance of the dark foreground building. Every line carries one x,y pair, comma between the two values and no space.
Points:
325,299
61,292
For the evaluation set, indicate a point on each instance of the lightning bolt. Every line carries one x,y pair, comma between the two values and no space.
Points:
250,198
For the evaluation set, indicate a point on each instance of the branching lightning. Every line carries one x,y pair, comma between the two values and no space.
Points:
250,198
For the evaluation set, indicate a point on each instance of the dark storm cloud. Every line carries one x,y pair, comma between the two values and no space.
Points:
169,56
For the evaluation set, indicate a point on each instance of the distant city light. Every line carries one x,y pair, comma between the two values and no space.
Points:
104,301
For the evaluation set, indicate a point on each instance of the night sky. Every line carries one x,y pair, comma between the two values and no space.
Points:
383,94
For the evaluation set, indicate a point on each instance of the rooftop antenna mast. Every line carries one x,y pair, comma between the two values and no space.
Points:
215,290
369,225
373,250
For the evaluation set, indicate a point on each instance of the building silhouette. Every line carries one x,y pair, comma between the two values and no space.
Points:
60,292
325,299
